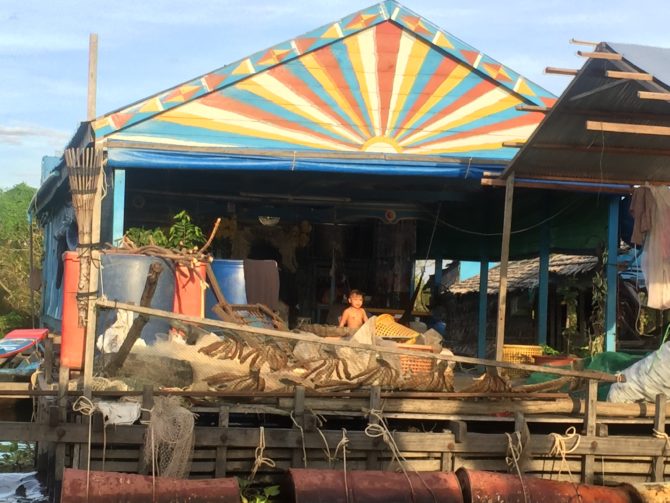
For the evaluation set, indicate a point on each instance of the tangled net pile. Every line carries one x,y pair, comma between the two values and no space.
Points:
170,438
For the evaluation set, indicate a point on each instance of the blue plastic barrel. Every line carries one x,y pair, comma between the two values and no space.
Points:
230,276
123,277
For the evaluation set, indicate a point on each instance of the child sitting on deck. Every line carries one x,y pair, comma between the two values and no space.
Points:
354,316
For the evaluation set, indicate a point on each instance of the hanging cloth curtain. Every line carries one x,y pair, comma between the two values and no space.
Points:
656,258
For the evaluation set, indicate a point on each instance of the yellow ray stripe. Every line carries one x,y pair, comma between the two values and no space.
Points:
198,115
275,91
453,79
486,141
363,55
411,54
312,65
489,103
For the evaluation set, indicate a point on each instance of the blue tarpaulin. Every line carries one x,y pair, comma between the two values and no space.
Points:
128,158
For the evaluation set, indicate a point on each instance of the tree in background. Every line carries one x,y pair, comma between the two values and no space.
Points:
15,298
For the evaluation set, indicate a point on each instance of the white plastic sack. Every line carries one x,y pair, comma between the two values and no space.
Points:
112,339
645,379
119,412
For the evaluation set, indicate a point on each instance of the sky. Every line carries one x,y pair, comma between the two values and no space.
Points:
146,46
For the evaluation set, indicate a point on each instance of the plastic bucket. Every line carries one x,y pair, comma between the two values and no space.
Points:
122,278
230,276
189,291
72,335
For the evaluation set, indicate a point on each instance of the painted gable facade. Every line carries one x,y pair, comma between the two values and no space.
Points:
382,80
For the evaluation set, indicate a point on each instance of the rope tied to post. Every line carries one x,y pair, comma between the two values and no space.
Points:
261,460
559,447
512,459
86,407
302,437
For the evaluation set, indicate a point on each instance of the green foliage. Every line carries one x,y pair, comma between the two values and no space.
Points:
549,351
16,456
598,297
182,234
255,494
15,306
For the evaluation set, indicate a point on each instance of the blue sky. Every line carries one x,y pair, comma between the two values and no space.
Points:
146,46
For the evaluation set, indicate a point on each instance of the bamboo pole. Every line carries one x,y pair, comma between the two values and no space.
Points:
281,334
504,263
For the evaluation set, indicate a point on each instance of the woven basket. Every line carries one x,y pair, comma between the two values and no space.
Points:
387,328
415,364
519,353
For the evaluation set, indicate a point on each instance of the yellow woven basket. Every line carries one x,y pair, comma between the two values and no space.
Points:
519,353
387,328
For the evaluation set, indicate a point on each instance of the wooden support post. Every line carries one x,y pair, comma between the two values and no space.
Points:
611,271
63,381
222,451
658,473
119,206
459,429
483,305
447,455
590,420
297,457
543,295
372,462
147,404
504,262
92,75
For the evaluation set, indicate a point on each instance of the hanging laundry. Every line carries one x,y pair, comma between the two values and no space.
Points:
656,257
641,208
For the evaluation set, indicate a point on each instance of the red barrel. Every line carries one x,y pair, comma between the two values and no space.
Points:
110,487
189,290
480,487
72,335
328,486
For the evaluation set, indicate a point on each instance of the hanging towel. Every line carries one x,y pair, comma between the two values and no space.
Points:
642,209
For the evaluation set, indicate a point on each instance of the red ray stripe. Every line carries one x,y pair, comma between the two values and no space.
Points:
216,100
441,73
387,41
284,75
483,87
331,66
523,120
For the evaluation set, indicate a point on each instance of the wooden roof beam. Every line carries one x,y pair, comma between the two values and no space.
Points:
617,127
560,71
574,41
532,108
513,144
648,95
613,56
572,187
613,74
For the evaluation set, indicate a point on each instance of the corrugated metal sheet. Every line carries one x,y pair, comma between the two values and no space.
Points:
562,146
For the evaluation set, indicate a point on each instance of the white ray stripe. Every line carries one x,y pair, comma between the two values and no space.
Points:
167,140
366,42
517,133
471,108
299,105
404,51
225,120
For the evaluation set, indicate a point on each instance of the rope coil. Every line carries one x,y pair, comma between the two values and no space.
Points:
559,447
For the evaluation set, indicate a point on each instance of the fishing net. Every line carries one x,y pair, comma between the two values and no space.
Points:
168,445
